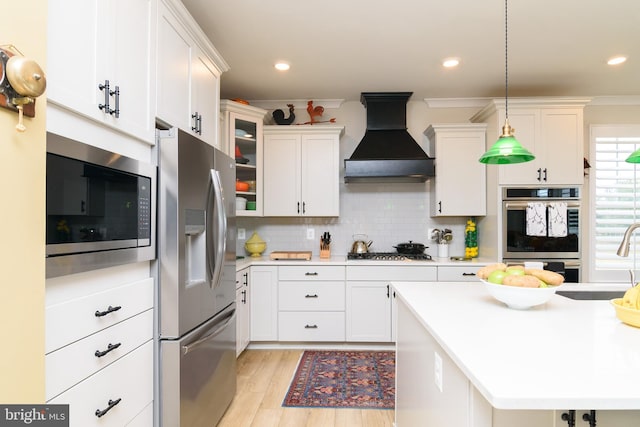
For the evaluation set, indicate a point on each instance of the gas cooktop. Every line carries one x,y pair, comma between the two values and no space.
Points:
389,256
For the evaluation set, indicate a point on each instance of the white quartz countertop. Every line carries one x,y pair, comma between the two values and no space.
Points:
565,354
342,260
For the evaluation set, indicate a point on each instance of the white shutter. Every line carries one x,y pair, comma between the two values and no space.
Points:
615,201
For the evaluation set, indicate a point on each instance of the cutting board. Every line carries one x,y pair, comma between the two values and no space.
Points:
291,255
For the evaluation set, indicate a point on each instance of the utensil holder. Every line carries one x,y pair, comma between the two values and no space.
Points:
443,250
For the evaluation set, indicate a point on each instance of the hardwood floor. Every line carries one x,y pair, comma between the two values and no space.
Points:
263,381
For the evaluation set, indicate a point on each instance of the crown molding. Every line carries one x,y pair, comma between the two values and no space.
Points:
482,102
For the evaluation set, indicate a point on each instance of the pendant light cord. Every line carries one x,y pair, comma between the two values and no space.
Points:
506,62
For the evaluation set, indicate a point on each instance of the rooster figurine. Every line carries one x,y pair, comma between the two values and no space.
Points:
316,112
278,116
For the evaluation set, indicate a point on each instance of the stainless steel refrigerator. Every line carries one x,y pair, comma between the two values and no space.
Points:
196,274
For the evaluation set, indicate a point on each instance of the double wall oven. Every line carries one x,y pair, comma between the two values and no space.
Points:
558,252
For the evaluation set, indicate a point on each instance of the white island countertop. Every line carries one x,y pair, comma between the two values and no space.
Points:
562,354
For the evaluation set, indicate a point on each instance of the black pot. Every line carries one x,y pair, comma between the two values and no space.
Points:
410,248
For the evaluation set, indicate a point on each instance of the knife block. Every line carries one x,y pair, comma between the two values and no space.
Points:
325,250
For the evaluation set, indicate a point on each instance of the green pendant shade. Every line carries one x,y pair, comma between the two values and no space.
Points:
634,157
506,150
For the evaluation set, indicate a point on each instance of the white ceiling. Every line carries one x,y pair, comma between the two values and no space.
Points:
340,48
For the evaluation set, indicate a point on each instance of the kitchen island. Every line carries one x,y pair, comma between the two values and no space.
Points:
465,359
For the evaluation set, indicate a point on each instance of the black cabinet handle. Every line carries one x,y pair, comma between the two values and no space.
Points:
105,87
311,326
298,207
111,403
440,207
117,109
539,174
246,279
387,291
195,122
311,296
304,207
468,274
545,174
244,297
83,206
110,347
109,310
308,273
570,418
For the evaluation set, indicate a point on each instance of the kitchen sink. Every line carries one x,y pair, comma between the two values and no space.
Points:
591,295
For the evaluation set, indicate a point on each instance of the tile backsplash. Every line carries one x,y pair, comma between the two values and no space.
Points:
387,213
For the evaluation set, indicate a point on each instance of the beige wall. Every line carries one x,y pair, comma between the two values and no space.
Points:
22,214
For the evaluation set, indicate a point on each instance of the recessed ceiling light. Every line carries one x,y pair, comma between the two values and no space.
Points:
451,62
617,60
282,66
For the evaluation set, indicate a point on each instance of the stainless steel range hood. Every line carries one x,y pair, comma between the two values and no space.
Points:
387,153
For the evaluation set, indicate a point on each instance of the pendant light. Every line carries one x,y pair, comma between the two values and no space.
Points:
506,150
634,157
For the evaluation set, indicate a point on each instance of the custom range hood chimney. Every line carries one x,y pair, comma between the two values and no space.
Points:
387,153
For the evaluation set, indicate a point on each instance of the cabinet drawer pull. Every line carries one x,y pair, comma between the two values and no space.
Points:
468,274
308,273
311,296
110,347
111,403
311,326
109,310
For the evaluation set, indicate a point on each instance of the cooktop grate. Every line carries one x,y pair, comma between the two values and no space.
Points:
388,256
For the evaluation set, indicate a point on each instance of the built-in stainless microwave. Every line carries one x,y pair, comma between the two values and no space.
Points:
100,208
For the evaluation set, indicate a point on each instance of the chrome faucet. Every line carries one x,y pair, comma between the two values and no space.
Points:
623,250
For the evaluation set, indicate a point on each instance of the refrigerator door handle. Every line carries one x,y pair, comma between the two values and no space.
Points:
216,212
190,347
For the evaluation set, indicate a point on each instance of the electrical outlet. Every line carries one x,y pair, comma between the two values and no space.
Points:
311,234
242,234
437,370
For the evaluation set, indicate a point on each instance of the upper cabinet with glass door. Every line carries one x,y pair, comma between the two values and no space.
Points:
242,139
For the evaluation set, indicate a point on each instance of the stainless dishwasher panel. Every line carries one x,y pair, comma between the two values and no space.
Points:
198,376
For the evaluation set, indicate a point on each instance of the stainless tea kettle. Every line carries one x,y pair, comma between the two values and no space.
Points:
360,245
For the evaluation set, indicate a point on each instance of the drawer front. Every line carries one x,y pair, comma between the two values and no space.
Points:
75,362
311,272
458,274
311,326
130,379
75,319
393,273
314,296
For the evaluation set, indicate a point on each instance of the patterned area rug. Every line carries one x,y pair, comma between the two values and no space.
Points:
344,379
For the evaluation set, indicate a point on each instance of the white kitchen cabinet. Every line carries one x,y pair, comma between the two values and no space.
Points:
242,131
242,310
459,187
311,303
263,305
370,305
108,43
551,129
189,70
301,170
459,273
99,345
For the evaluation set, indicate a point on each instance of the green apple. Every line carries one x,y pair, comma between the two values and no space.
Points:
514,271
496,277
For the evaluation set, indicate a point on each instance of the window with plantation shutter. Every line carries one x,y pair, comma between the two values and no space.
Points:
614,202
